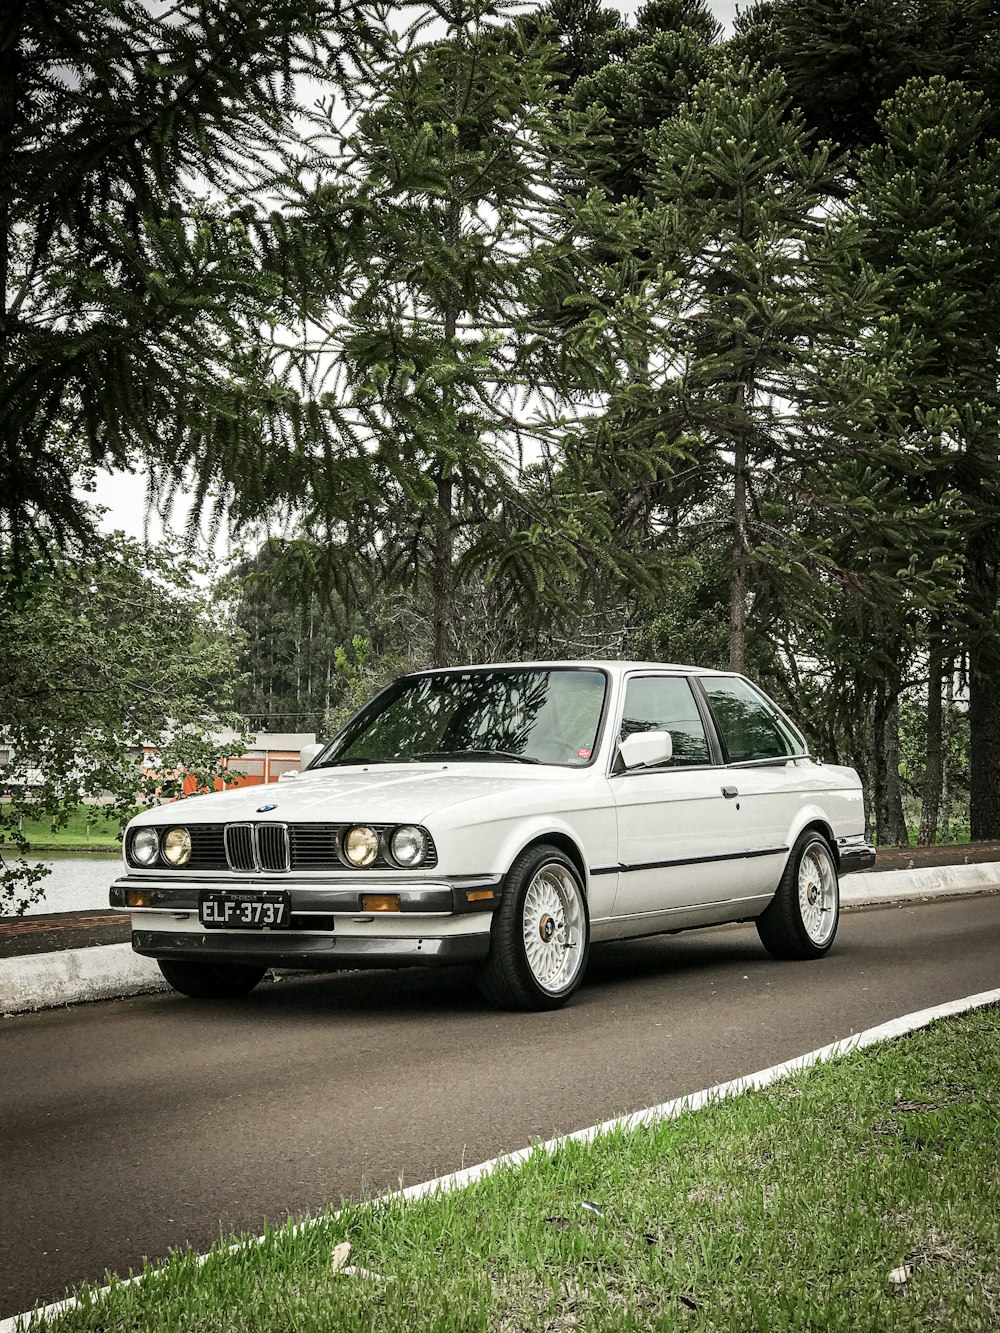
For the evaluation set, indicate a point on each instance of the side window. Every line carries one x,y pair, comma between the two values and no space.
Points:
665,703
750,725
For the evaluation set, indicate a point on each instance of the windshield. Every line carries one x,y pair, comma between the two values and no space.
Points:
529,715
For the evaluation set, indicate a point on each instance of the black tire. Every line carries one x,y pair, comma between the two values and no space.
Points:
211,981
506,978
783,929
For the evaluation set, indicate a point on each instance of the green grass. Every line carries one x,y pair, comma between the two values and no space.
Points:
958,836
781,1210
87,827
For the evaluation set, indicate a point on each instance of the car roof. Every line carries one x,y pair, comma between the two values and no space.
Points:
615,667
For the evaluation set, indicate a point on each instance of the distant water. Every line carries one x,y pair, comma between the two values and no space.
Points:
77,883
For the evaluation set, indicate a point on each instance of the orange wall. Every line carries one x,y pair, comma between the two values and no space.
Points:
255,770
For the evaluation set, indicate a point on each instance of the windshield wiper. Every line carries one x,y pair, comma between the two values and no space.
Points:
473,753
356,763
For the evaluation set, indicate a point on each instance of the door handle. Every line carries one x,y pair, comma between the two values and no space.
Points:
730,793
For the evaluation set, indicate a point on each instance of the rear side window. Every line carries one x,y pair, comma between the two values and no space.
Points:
665,703
751,727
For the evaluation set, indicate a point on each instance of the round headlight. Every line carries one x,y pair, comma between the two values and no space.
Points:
409,845
361,845
145,847
177,847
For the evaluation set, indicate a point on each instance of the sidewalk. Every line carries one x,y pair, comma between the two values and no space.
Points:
55,959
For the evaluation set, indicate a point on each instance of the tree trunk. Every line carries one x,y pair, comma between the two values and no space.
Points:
297,642
984,754
10,92
946,724
443,567
863,766
930,802
984,691
738,577
890,822
309,661
444,574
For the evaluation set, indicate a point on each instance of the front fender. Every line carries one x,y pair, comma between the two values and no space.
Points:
600,891
495,847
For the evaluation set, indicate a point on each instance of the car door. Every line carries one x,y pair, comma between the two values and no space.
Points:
760,747
677,831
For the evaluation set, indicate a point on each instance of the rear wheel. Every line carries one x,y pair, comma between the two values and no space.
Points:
211,981
540,938
801,920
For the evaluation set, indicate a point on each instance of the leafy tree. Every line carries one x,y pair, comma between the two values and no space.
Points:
101,656
137,275
952,811
930,200
758,459
290,629
624,471
842,59
461,167
586,34
685,619
772,358
308,649
639,93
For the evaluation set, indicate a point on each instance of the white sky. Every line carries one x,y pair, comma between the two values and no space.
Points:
725,10
124,494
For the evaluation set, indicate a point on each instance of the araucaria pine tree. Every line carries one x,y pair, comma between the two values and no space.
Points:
770,350
136,273
929,199
447,179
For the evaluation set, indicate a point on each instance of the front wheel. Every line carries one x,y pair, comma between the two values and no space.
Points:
801,920
540,938
210,981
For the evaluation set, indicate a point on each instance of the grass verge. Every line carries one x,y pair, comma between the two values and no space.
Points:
860,1194
86,830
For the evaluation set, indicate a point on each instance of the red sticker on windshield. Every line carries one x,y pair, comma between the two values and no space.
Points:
583,753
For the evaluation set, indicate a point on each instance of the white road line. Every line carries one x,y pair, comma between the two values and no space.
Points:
456,1180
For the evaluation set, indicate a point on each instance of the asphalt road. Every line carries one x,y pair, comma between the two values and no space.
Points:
132,1127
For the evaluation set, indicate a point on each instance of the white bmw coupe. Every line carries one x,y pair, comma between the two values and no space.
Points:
504,817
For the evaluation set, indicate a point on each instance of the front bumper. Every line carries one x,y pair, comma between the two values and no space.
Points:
319,895
317,952
441,919
855,854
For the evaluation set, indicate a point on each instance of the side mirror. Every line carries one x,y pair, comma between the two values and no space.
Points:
645,749
309,752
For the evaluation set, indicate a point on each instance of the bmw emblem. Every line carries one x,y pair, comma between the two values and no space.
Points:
263,809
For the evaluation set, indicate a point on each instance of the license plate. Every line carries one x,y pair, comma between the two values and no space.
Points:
261,910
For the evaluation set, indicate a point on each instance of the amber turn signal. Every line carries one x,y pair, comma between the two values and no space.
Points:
380,902
479,895
137,898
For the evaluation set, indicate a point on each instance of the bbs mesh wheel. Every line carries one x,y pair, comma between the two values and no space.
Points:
801,920
540,937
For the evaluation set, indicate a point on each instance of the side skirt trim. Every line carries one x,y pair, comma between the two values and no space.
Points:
623,869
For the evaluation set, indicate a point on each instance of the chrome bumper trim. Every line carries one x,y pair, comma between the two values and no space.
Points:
441,896
859,855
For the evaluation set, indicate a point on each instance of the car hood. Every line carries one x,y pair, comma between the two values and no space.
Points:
390,793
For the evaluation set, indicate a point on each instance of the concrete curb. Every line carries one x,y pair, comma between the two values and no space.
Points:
110,971
866,888
102,972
